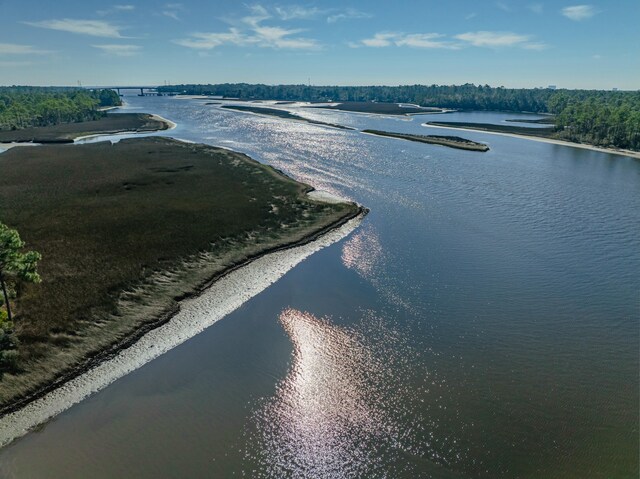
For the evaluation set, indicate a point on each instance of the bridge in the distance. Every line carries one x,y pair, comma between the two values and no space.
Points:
144,90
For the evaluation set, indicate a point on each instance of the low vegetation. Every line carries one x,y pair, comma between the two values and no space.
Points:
22,107
379,108
66,132
603,118
450,141
514,129
125,230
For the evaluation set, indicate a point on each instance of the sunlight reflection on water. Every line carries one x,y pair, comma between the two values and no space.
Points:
343,409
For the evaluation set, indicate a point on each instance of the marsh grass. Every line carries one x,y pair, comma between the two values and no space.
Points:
127,229
66,132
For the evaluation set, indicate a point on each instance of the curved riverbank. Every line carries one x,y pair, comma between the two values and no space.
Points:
227,209
225,294
111,124
628,153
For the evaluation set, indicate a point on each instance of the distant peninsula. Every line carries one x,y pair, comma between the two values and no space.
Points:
450,141
379,108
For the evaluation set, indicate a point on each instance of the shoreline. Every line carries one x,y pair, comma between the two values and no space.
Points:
600,149
158,318
68,133
446,141
170,125
205,306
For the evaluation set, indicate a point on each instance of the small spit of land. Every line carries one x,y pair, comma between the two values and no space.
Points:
517,130
282,114
549,120
450,141
379,108
546,135
67,132
126,230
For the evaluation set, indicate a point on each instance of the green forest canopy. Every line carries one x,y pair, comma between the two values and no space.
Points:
605,118
24,106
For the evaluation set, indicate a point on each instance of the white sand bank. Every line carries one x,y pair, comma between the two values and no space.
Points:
195,315
325,196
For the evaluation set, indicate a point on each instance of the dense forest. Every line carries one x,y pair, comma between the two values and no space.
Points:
604,118
22,107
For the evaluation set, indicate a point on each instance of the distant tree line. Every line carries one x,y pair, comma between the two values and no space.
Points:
605,118
22,107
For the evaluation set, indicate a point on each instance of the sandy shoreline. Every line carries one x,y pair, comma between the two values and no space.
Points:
628,153
196,314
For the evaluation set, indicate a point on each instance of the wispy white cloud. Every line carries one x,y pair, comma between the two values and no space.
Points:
96,28
537,46
251,31
117,9
493,39
172,10
297,12
380,40
470,16
503,6
16,49
415,40
208,41
171,14
348,14
424,40
579,12
536,8
120,50
436,40
333,15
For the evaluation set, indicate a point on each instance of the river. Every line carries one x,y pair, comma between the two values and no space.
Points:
483,321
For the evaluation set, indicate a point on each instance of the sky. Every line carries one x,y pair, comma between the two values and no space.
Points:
393,42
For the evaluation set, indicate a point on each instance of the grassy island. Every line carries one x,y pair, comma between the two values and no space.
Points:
380,108
67,132
450,141
282,114
128,229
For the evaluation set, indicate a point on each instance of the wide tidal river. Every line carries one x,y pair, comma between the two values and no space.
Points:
482,322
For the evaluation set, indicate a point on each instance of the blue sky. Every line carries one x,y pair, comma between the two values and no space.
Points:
507,42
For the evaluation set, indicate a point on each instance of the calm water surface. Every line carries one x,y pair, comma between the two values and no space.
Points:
482,322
